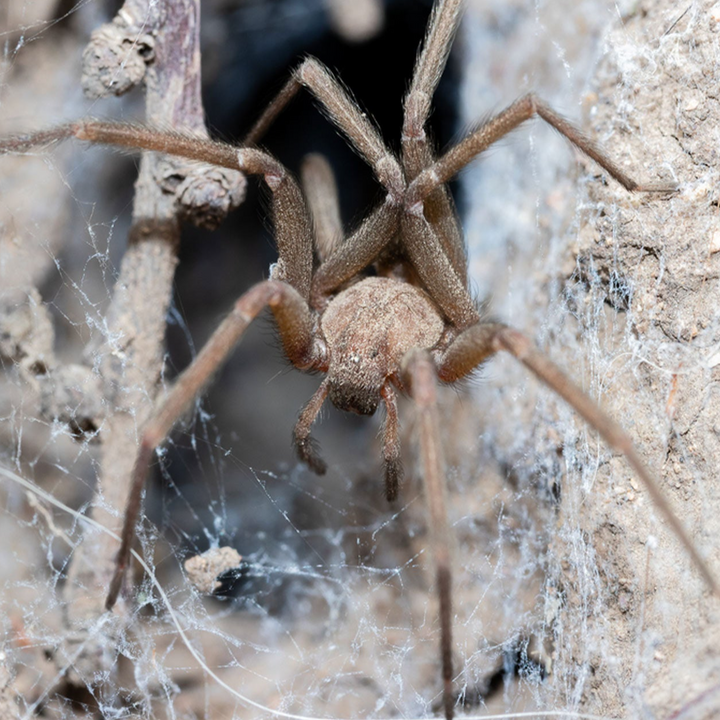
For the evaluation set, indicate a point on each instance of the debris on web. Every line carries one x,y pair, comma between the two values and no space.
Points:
204,570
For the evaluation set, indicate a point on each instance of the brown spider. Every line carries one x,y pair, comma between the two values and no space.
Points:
412,324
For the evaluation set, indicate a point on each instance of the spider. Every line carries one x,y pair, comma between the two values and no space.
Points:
410,325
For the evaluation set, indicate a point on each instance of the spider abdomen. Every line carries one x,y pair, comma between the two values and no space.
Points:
368,329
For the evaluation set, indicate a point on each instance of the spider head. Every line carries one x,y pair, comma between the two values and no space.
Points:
368,328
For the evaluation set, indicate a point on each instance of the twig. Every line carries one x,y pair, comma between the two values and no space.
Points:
158,43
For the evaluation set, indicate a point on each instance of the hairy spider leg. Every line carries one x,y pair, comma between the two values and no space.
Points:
470,349
481,341
293,229
305,445
418,152
422,243
345,113
419,373
357,252
352,257
364,246
391,444
318,184
288,302
294,237
334,251
295,323
526,107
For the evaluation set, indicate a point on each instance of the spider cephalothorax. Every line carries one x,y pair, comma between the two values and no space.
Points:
368,329
365,332
412,324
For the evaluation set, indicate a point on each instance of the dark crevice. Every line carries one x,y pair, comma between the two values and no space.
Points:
515,663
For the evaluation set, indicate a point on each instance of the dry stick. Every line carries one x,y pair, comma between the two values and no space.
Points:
144,287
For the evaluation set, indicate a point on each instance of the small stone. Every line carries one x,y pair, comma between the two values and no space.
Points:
203,570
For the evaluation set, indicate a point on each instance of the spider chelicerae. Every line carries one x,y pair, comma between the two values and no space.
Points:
406,328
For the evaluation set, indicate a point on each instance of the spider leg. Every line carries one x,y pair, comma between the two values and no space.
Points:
305,446
418,371
429,67
291,219
358,251
417,149
490,132
425,251
320,188
293,229
481,341
341,258
432,237
391,444
344,112
363,247
28,141
295,322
